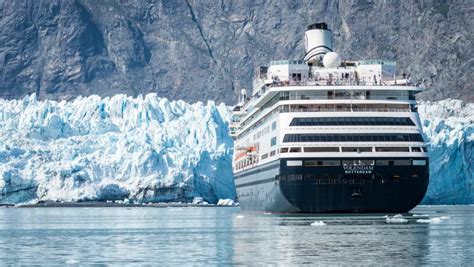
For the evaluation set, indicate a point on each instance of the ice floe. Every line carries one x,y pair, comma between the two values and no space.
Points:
396,219
318,223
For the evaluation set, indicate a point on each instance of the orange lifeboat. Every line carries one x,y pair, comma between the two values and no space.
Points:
249,151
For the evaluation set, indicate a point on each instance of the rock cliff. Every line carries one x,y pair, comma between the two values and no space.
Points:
202,50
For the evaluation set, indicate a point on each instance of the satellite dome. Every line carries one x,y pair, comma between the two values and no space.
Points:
331,60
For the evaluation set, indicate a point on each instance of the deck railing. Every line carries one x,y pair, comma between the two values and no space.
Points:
345,110
399,81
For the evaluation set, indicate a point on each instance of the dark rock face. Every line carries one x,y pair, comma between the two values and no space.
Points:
200,50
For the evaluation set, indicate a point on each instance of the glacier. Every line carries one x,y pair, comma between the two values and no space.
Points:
150,149
449,127
146,149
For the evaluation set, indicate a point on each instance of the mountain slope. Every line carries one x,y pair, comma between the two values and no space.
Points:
208,50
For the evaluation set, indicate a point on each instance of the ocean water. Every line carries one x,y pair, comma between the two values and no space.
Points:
223,236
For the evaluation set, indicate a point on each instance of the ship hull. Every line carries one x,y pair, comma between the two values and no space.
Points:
277,187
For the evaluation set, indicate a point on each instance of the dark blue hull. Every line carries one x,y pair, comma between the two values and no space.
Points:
277,187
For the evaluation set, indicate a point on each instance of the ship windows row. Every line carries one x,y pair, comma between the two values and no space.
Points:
356,162
351,149
343,121
353,137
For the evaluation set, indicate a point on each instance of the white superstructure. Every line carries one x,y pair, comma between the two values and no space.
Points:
304,109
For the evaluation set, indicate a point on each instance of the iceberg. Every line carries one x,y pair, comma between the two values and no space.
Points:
318,223
149,149
434,220
396,219
144,149
226,202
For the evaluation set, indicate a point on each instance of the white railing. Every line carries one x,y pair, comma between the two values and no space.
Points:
399,81
344,109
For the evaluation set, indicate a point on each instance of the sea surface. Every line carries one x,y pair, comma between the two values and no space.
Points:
226,235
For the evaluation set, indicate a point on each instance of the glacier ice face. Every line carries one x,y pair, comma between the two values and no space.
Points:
145,148
150,149
449,127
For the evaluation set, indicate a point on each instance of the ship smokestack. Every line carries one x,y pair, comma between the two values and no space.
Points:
317,42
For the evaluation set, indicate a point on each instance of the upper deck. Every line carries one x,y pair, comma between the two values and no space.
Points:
310,91
322,82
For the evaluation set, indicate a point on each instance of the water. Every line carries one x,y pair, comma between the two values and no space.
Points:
221,236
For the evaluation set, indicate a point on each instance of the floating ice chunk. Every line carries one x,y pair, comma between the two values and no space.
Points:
225,202
420,215
396,219
198,200
239,216
435,220
318,223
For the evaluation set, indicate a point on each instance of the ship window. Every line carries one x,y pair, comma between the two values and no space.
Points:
294,163
331,163
382,162
295,149
283,150
274,125
417,162
264,156
425,149
310,163
402,163
304,138
392,149
284,95
357,149
326,121
355,137
321,149
416,149
273,141
272,153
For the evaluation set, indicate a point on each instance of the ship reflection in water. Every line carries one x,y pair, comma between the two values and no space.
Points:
440,235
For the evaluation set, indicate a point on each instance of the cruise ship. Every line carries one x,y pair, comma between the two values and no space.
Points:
323,134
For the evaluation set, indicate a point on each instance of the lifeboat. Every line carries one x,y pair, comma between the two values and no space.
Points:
246,152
